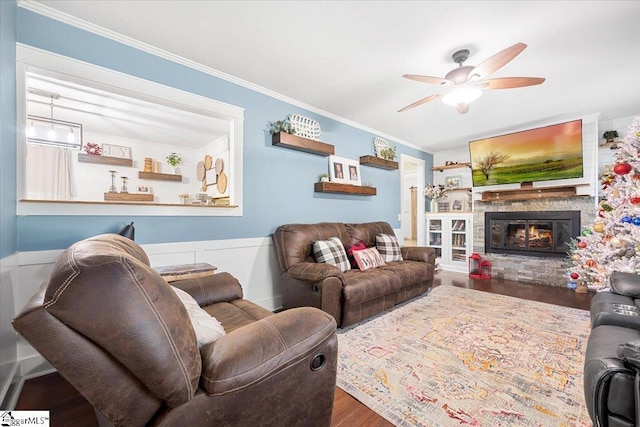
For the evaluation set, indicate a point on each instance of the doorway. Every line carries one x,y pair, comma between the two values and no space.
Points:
412,178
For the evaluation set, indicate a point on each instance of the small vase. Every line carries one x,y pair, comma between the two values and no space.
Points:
434,205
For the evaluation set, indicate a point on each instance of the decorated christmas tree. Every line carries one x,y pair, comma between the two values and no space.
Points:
612,242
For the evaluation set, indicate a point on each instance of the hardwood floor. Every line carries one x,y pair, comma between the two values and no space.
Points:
69,409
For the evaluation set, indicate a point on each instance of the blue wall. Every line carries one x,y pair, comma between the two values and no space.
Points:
8,236
278,183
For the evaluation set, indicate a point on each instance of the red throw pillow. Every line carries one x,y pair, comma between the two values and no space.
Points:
351,249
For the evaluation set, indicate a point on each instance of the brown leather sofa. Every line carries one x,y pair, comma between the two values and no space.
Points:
356,294
117,331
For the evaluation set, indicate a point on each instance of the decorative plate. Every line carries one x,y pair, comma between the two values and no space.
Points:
208,161
219,166
201,171
379,144
222,183
305,127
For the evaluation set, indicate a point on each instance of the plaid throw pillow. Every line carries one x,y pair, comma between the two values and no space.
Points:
331,252
388,247
351,249
368,258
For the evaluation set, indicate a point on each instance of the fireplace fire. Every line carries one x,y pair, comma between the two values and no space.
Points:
542,234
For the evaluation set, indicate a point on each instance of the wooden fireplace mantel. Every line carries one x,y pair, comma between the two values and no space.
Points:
530,193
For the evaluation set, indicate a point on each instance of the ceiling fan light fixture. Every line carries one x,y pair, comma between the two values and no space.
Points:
462,95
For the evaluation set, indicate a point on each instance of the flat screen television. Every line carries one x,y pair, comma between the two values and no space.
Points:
541,154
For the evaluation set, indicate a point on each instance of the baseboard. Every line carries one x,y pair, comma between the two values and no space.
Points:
22,371
6,386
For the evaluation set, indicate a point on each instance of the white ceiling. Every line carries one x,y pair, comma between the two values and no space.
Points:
347,57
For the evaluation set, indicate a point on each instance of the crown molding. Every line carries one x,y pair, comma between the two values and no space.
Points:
49,12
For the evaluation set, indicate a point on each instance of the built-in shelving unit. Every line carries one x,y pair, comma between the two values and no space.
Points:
159,176
334,187
531,193
453,166
105,160
378,162
128,197
299,143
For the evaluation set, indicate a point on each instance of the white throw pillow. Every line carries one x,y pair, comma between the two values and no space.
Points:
207,327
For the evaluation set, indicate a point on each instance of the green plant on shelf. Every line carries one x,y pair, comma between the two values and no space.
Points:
174,159
282,126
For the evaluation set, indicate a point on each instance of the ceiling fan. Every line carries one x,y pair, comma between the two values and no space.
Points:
467,82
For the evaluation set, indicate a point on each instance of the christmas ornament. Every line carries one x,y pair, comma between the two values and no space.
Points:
615,242
582,244
572,285
575,257
591,263
586,232
598,227
574,275
626,219
622,168
635,200
636,221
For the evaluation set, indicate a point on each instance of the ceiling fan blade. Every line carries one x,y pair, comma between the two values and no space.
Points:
509,82
428,79
420,102
497,61
462,108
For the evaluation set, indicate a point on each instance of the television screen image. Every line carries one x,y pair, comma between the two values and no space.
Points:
541,154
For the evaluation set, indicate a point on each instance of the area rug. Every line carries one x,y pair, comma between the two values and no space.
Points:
463,357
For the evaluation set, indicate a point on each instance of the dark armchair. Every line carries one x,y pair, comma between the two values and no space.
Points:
116,330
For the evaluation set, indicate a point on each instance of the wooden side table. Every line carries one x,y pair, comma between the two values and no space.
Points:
186,271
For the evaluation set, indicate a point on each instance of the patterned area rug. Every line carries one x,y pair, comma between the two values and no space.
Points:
463,357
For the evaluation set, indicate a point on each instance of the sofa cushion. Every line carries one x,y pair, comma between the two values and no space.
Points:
367,232
388,247
361,286
331,252
351,249
294,242
368,258
625,284
410,272
206,327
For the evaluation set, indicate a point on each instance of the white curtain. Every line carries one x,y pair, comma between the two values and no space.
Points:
48,173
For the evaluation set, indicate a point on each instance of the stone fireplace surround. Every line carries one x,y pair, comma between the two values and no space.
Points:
548,271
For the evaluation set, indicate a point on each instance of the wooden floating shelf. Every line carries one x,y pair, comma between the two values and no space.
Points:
334,187
128,197
531,193
159,176
454,166
459,189
378,162
105,160
299,143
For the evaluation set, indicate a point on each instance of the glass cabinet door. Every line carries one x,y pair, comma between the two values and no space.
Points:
459,240
435,235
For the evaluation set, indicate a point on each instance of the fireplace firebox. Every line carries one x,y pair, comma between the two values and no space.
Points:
540,234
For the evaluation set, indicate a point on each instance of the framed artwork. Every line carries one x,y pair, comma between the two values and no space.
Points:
119,151
452,182
344,171
457,205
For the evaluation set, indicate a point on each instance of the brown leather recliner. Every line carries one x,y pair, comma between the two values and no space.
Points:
117,331
356,294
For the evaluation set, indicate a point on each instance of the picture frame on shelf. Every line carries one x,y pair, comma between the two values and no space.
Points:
457,205
452,182
344,171
117,151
